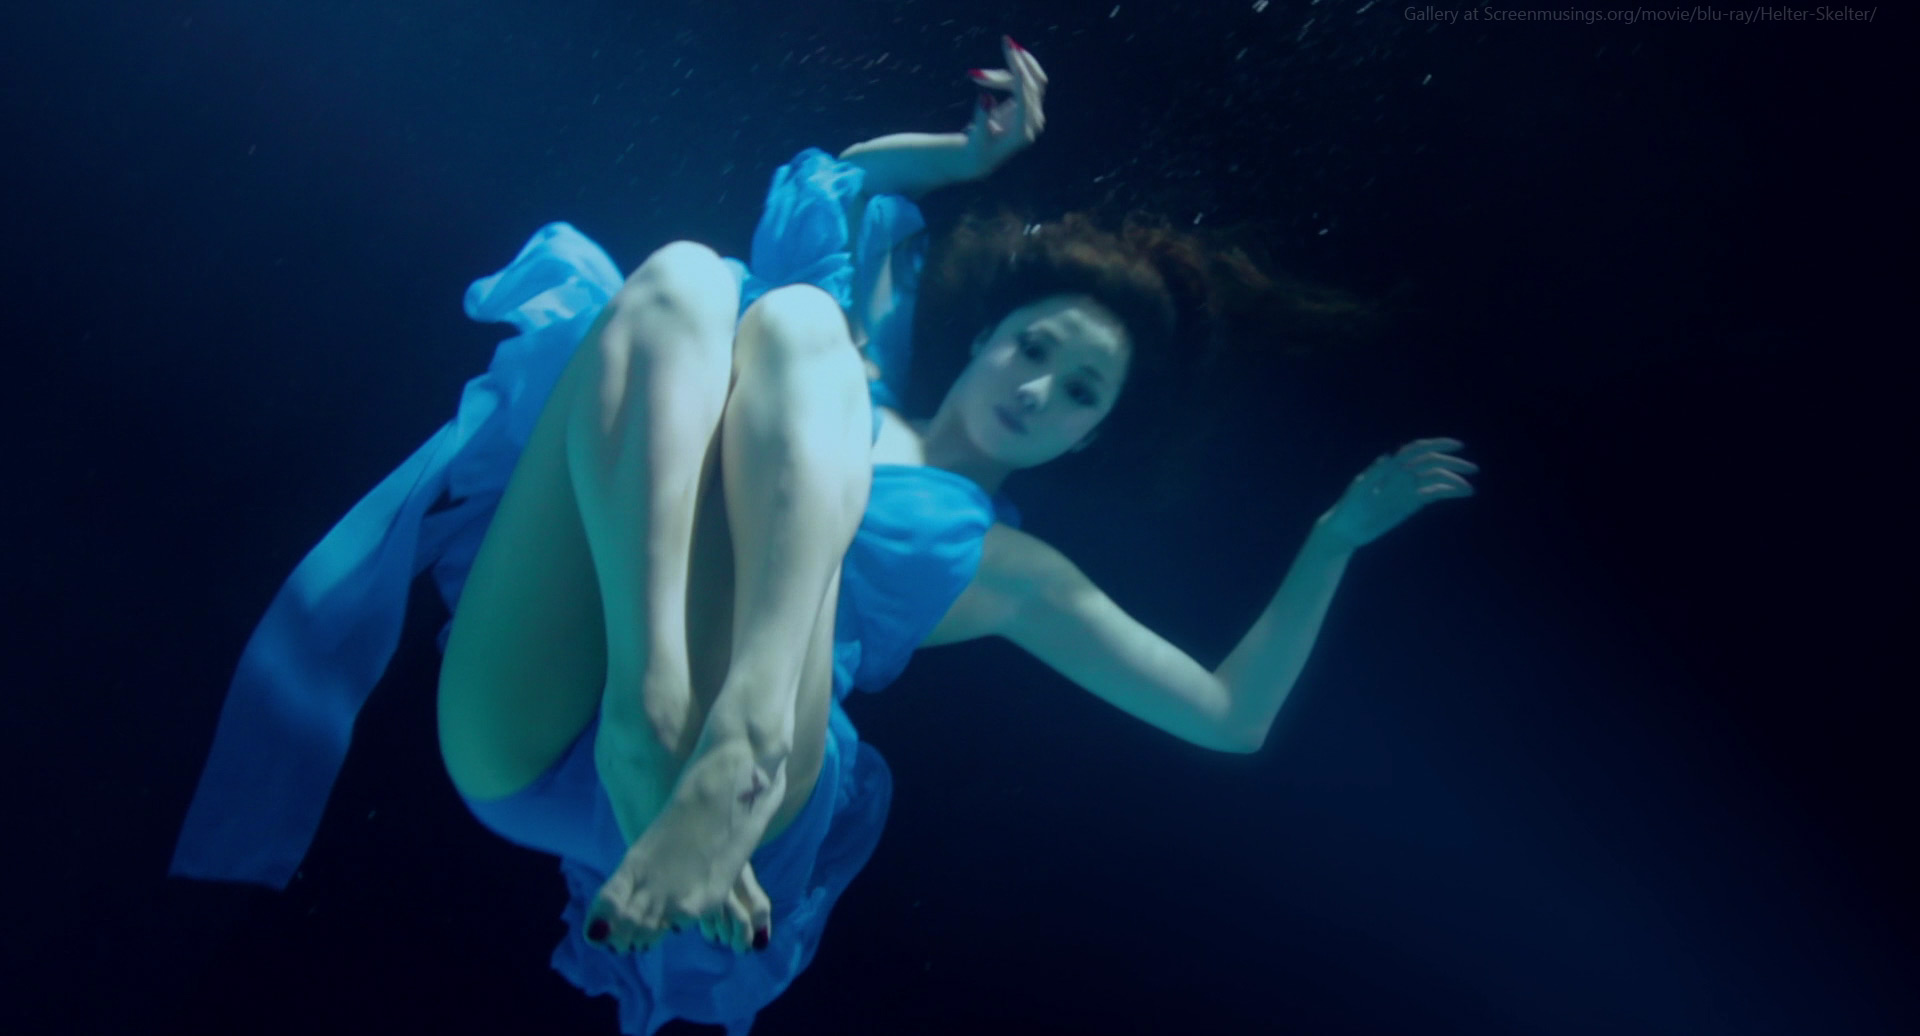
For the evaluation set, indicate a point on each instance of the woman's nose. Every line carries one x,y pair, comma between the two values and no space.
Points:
1033,395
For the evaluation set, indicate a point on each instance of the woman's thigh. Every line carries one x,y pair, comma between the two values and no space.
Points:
527,656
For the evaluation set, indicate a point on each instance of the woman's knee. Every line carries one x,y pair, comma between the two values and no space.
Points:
684,295
793,322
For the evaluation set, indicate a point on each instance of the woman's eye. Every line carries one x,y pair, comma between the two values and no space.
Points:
1038,354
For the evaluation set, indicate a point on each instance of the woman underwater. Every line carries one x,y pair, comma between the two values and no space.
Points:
677,523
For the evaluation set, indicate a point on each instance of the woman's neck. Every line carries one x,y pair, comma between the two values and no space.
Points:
944,444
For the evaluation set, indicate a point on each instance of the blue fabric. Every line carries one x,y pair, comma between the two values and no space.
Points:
329,633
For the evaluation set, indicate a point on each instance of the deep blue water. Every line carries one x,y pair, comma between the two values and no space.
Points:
1614,747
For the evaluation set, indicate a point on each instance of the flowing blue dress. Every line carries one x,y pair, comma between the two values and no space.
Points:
329,633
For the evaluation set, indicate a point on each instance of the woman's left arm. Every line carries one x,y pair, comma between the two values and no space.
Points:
1064,620
1261,671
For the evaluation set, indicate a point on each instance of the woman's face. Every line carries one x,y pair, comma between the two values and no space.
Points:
1043,379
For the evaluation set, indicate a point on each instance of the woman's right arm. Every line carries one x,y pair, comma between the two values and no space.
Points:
912,164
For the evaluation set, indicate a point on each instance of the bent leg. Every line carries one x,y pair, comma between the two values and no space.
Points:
638,441
797,469
583,567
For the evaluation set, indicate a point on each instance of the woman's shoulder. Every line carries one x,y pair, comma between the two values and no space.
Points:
900,440
1001,585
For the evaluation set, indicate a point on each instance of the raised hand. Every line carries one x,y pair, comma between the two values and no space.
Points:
1396,486
1004,128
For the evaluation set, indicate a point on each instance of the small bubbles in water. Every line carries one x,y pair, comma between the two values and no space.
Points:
1259,6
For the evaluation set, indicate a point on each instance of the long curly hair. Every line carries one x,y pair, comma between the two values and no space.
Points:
1192,302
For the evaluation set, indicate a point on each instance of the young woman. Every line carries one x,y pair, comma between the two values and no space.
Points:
679,520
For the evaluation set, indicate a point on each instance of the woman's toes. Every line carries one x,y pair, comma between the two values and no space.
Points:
739,923
758,923
713,928
646,937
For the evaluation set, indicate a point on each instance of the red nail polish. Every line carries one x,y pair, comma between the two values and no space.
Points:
1015,44
976,73
760,939
597,931
986,102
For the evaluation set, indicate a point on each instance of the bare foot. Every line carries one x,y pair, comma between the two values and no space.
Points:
690,859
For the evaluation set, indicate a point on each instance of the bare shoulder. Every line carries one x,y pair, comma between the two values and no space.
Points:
1014,565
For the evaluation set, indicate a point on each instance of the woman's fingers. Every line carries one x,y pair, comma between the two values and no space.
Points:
1032,80
1023,60
1460,464
1008,124
999,79
1023,74
1438,482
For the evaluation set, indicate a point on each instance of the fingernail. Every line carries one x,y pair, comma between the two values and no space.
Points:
986,102
1015,44
976,73
597,931
760,938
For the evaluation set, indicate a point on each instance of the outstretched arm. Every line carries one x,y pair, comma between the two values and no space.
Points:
1049,607
1060,617
1261,671
1264,666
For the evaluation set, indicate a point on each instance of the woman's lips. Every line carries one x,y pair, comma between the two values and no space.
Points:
1012,422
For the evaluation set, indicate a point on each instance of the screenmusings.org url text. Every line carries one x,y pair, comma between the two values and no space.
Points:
1633,15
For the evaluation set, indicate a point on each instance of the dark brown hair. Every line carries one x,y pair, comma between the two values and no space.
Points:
1193,303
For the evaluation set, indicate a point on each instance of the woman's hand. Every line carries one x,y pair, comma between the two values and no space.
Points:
1393,488
1004,129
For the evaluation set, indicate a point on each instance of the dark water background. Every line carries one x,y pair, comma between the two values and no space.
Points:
1615,747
